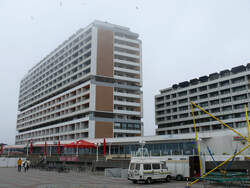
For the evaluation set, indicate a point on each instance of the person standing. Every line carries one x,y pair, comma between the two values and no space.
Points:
25,165
28,164
19,164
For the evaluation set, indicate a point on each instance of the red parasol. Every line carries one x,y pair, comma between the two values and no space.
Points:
85,144
1,149
59,148
80,144
31,146
70,145
104,147
45,148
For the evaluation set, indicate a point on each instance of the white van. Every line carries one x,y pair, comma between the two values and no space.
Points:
148,170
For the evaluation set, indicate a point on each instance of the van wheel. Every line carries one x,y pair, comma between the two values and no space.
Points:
149,181
168,179
134,181
179,178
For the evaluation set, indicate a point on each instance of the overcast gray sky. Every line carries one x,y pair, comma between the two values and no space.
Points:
181,40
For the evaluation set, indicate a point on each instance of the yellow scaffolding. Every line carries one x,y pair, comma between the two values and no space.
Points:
221,164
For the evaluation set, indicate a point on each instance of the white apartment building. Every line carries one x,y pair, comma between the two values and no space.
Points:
223,94
88,87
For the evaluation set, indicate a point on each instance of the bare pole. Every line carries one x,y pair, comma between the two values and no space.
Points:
248,125
197,142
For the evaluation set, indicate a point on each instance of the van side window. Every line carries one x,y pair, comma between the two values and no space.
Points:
147,166
132,166
137,166
156,166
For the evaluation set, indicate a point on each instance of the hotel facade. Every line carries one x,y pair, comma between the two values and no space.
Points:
222,94
88,87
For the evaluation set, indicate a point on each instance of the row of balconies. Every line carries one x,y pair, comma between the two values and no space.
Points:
67,113
49,110
124,46
48,133
50,69
66,83
81,123
58,100
54,137
174,91
52,111
122,38
120,94
66,75
199,94
210,100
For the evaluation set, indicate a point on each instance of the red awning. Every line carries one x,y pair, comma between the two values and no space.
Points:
85,144
80,144
70,145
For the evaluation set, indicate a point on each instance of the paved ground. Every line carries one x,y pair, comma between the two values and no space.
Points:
10,178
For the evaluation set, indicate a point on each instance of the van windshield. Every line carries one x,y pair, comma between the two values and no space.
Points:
132,166
137,167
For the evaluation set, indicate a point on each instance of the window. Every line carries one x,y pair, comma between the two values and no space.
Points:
203,104
240,97
240,124
137,166
182,108
184,115
214,102
156,166
183,93
203,88
238,80
215,110
224,83
239,115
240,88
193,98
183,101
225,100
147,166
239,106
226,108
212,86
225,91
203,96
191,91
229,116
214,94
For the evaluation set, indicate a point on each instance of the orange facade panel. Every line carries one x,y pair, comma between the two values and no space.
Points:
105,43
104,98
103,129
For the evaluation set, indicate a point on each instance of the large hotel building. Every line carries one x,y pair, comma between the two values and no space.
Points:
223,94
88,87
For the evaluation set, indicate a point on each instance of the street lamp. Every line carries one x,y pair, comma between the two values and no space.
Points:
97,145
